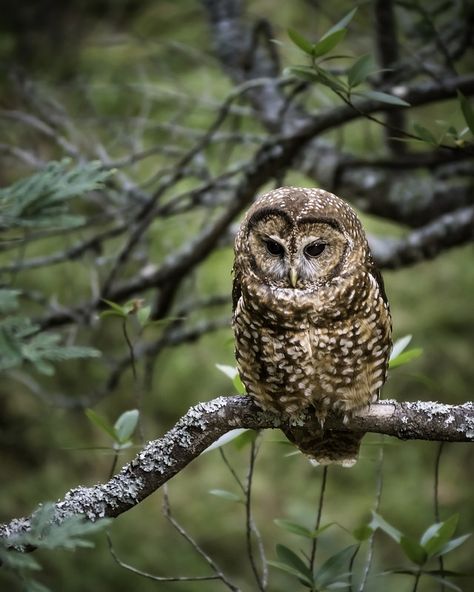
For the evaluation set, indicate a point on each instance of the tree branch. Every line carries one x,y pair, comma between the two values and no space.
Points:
447,231
204,423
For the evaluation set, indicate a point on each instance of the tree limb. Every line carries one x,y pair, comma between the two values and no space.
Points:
204,423
446,232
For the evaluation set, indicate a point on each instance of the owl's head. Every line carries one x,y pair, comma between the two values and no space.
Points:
301,238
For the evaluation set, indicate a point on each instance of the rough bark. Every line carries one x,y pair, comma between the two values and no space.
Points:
204,423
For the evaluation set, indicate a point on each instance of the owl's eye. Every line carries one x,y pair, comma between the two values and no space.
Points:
314,249
274,248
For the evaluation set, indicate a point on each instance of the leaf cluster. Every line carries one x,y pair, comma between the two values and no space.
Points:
337,571
437,540
122,430
21,340
356,74
41,200
347,84
46,533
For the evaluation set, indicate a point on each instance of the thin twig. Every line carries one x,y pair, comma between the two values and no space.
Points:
436,506
152,576
130,348
317,524
351,568
219,573
136,385
378,498
251,527
232,470
114,464
417,579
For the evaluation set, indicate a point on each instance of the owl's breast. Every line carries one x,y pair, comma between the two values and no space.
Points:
328,349
275,365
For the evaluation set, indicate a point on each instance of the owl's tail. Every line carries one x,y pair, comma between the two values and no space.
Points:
325,446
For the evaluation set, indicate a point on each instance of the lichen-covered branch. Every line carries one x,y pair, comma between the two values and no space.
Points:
203,424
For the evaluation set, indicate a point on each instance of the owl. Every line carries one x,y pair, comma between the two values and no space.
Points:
310,316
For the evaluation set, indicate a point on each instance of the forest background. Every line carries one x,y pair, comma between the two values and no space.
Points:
187,108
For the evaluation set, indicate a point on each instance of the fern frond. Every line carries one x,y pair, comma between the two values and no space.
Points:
41,199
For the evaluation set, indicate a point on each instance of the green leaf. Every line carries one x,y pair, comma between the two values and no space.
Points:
400,345
438,534
299,529
43,367
405,357
378,522
226,438
328,42
425,134
335,567
230,371
442,575
101,423
290,558
125,425
111,313
239,385
244,439
8,300
342,24
16,560
293,527
46,533
384,98
326,78
362,533
300,41
40,200
34,586
445,582
143,315
317,74
467,111
305,72
233,374
291,570
359,70
453,544
227,495
117,308
413,550
132,306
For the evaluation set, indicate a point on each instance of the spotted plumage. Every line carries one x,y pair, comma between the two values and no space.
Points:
311,319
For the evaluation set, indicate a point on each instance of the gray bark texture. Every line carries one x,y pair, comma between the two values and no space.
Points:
204,423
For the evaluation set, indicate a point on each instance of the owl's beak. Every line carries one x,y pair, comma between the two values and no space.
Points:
293,274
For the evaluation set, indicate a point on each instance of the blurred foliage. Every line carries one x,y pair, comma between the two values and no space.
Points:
123,66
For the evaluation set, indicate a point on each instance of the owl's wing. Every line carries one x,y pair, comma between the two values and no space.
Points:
236,289
374,271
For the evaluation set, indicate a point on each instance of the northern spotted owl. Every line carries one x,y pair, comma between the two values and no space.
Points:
311,318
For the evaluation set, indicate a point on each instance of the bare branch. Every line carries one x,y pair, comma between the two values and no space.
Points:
447,231
162,459
154,577
185,534
386,40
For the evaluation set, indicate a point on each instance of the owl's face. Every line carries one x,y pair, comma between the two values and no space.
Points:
301,240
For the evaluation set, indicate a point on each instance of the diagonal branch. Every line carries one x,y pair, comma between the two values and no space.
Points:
203,424
447,231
